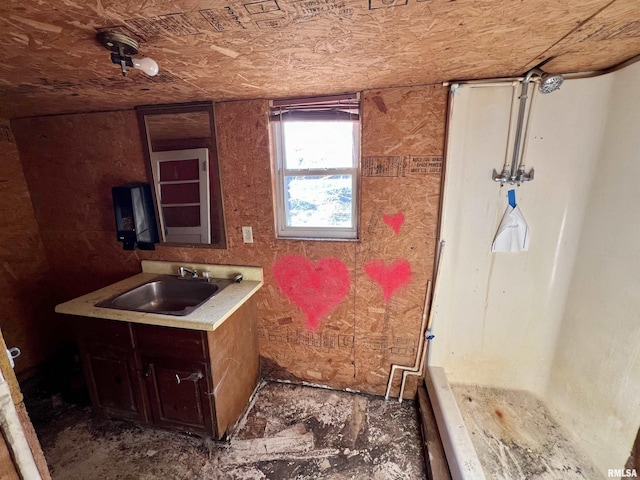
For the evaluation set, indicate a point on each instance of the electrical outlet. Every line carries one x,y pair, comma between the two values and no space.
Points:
247,235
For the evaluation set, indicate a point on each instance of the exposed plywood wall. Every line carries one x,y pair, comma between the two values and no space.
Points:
71,163
235,49
25,285
403,136
402,147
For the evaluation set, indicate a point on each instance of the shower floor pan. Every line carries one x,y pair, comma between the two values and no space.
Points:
513,434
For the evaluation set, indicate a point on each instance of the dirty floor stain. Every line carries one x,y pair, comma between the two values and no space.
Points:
515,436
289,432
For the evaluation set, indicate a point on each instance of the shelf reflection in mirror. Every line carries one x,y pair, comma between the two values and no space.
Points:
182,165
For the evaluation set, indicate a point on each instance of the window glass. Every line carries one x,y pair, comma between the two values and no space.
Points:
319,201
324,144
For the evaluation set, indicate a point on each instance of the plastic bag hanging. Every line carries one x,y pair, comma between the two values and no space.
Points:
513,232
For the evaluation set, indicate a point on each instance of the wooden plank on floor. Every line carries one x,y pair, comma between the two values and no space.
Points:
274,445
437,466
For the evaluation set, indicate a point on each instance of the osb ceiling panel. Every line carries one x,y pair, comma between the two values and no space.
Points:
178,126
233,49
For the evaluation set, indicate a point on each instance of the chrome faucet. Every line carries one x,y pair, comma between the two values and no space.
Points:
182,271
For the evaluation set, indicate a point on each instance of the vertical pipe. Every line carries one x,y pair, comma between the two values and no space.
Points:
420,342
418,367
515,160
521,166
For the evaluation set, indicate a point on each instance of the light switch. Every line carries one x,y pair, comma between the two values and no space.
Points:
247,235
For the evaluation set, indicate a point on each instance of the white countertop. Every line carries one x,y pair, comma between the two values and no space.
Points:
208,316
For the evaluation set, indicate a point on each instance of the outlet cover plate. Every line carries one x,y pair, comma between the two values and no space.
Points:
247,235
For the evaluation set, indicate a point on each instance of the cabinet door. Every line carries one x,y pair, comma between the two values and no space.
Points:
179,394
113,383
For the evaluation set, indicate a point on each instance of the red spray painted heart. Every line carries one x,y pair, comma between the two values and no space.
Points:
315,289
394,221
391,278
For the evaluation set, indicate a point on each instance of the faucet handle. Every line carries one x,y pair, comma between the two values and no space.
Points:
182,271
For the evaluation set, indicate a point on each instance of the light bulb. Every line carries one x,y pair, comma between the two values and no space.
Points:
147,65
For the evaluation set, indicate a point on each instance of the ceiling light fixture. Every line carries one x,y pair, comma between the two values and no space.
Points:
122,49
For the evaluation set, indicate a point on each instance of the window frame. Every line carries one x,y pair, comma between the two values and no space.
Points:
281,173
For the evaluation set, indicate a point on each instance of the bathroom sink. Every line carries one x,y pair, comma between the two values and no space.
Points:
167,295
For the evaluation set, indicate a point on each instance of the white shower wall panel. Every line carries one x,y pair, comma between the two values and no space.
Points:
595,374
497,315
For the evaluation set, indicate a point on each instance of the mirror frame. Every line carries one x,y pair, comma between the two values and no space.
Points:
215,199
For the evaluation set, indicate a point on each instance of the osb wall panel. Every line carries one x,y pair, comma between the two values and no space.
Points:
236,49
289,349
26,302
356,342
402,149
71,163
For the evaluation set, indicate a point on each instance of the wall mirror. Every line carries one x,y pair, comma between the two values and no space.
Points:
182,166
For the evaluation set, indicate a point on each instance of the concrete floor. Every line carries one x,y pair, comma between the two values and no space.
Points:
289,432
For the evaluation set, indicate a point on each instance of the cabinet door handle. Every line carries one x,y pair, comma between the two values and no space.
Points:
147,372
194,377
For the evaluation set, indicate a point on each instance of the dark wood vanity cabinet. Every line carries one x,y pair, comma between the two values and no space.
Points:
110,368
179,393
187,380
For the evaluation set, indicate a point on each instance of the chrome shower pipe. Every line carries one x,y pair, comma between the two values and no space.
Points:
517,175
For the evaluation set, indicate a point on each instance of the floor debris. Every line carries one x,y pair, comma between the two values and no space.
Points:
290,432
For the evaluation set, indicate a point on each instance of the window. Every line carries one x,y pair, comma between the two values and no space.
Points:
316,145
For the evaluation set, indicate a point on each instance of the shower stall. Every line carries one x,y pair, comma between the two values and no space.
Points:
535,365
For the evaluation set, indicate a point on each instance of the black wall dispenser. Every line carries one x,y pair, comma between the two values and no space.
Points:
135,213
